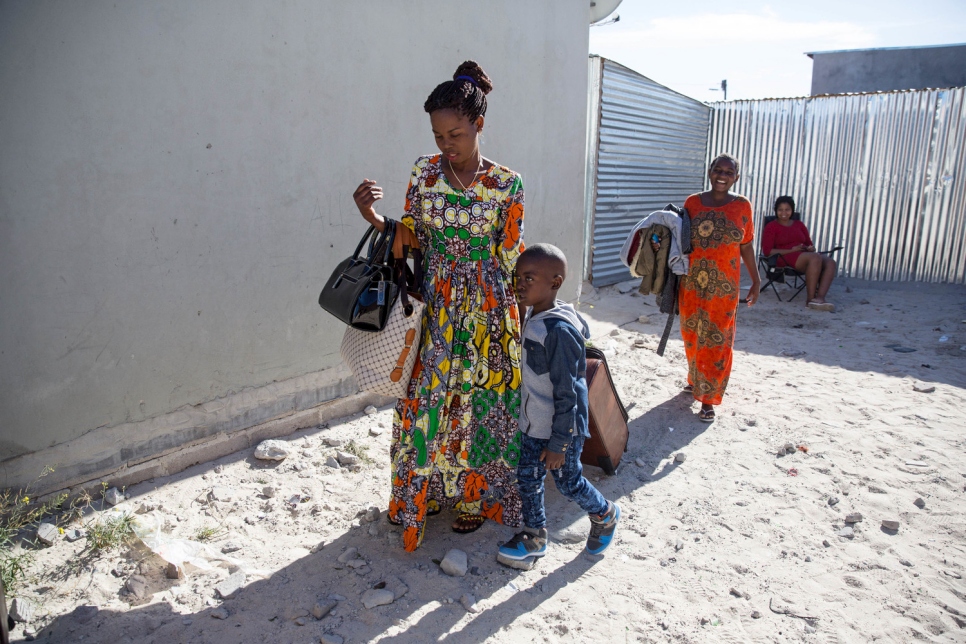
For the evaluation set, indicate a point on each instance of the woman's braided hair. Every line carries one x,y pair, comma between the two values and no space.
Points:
461,94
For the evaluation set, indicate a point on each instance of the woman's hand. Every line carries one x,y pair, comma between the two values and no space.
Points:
748,256
753,294
365,196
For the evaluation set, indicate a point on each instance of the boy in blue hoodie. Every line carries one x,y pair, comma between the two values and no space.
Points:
553,409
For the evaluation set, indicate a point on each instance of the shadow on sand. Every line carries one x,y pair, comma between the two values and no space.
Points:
277,608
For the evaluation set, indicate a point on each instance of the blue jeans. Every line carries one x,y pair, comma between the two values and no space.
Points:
569,478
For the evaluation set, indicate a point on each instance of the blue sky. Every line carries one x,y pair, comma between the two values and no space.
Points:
690,46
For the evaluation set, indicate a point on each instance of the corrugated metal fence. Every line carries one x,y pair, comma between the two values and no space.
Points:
646,148
880,174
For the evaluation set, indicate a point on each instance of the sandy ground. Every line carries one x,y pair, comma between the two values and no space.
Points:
734,544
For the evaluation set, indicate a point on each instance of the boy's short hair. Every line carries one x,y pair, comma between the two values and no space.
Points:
547,253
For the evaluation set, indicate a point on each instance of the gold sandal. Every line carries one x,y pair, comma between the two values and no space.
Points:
474,521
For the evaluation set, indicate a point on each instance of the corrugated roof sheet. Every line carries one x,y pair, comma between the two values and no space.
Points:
879,173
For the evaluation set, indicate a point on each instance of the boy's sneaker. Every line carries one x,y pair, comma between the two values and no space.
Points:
603,528
524,545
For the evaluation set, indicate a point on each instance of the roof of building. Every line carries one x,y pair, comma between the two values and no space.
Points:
842,51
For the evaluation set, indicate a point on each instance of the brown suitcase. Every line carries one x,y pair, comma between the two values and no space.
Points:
608,418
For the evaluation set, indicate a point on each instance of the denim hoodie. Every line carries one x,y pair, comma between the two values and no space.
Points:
554,404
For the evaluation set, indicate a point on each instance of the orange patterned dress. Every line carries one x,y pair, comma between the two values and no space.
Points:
708,297
455,438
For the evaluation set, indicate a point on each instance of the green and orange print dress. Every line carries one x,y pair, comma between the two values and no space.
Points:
455,439
708,296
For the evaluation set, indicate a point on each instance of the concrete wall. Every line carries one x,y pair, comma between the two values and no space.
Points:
175,187
883,70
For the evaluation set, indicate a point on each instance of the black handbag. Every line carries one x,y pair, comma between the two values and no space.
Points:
362,290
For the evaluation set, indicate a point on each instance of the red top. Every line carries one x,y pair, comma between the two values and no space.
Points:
783,237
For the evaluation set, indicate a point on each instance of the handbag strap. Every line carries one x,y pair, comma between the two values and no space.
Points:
378,240
382,240
362,242
406,279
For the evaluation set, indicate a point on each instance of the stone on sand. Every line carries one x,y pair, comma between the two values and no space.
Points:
137,586
345,458
272,450
113,496
230,546
350,553
47,533
469,603
230,586
377,597
323,607
75,534
454,563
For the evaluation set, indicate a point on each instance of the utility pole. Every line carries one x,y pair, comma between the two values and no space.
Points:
723,88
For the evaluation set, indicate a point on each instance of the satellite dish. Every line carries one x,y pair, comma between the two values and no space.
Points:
600,9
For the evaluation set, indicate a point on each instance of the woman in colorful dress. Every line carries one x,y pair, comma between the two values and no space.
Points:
721,234
455,440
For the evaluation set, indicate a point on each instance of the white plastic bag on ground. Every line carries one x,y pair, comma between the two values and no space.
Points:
148,528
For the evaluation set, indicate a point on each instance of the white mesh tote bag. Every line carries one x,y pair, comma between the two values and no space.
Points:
382,361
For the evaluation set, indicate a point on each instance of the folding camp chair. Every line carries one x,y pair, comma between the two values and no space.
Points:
773,273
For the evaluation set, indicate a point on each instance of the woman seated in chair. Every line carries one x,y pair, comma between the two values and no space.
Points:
788,239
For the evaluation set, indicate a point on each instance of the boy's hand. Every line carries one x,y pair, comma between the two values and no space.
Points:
552,460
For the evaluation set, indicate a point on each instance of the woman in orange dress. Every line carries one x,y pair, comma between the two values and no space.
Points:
721,233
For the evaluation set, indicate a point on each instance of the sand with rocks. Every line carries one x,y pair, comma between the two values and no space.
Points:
740,542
